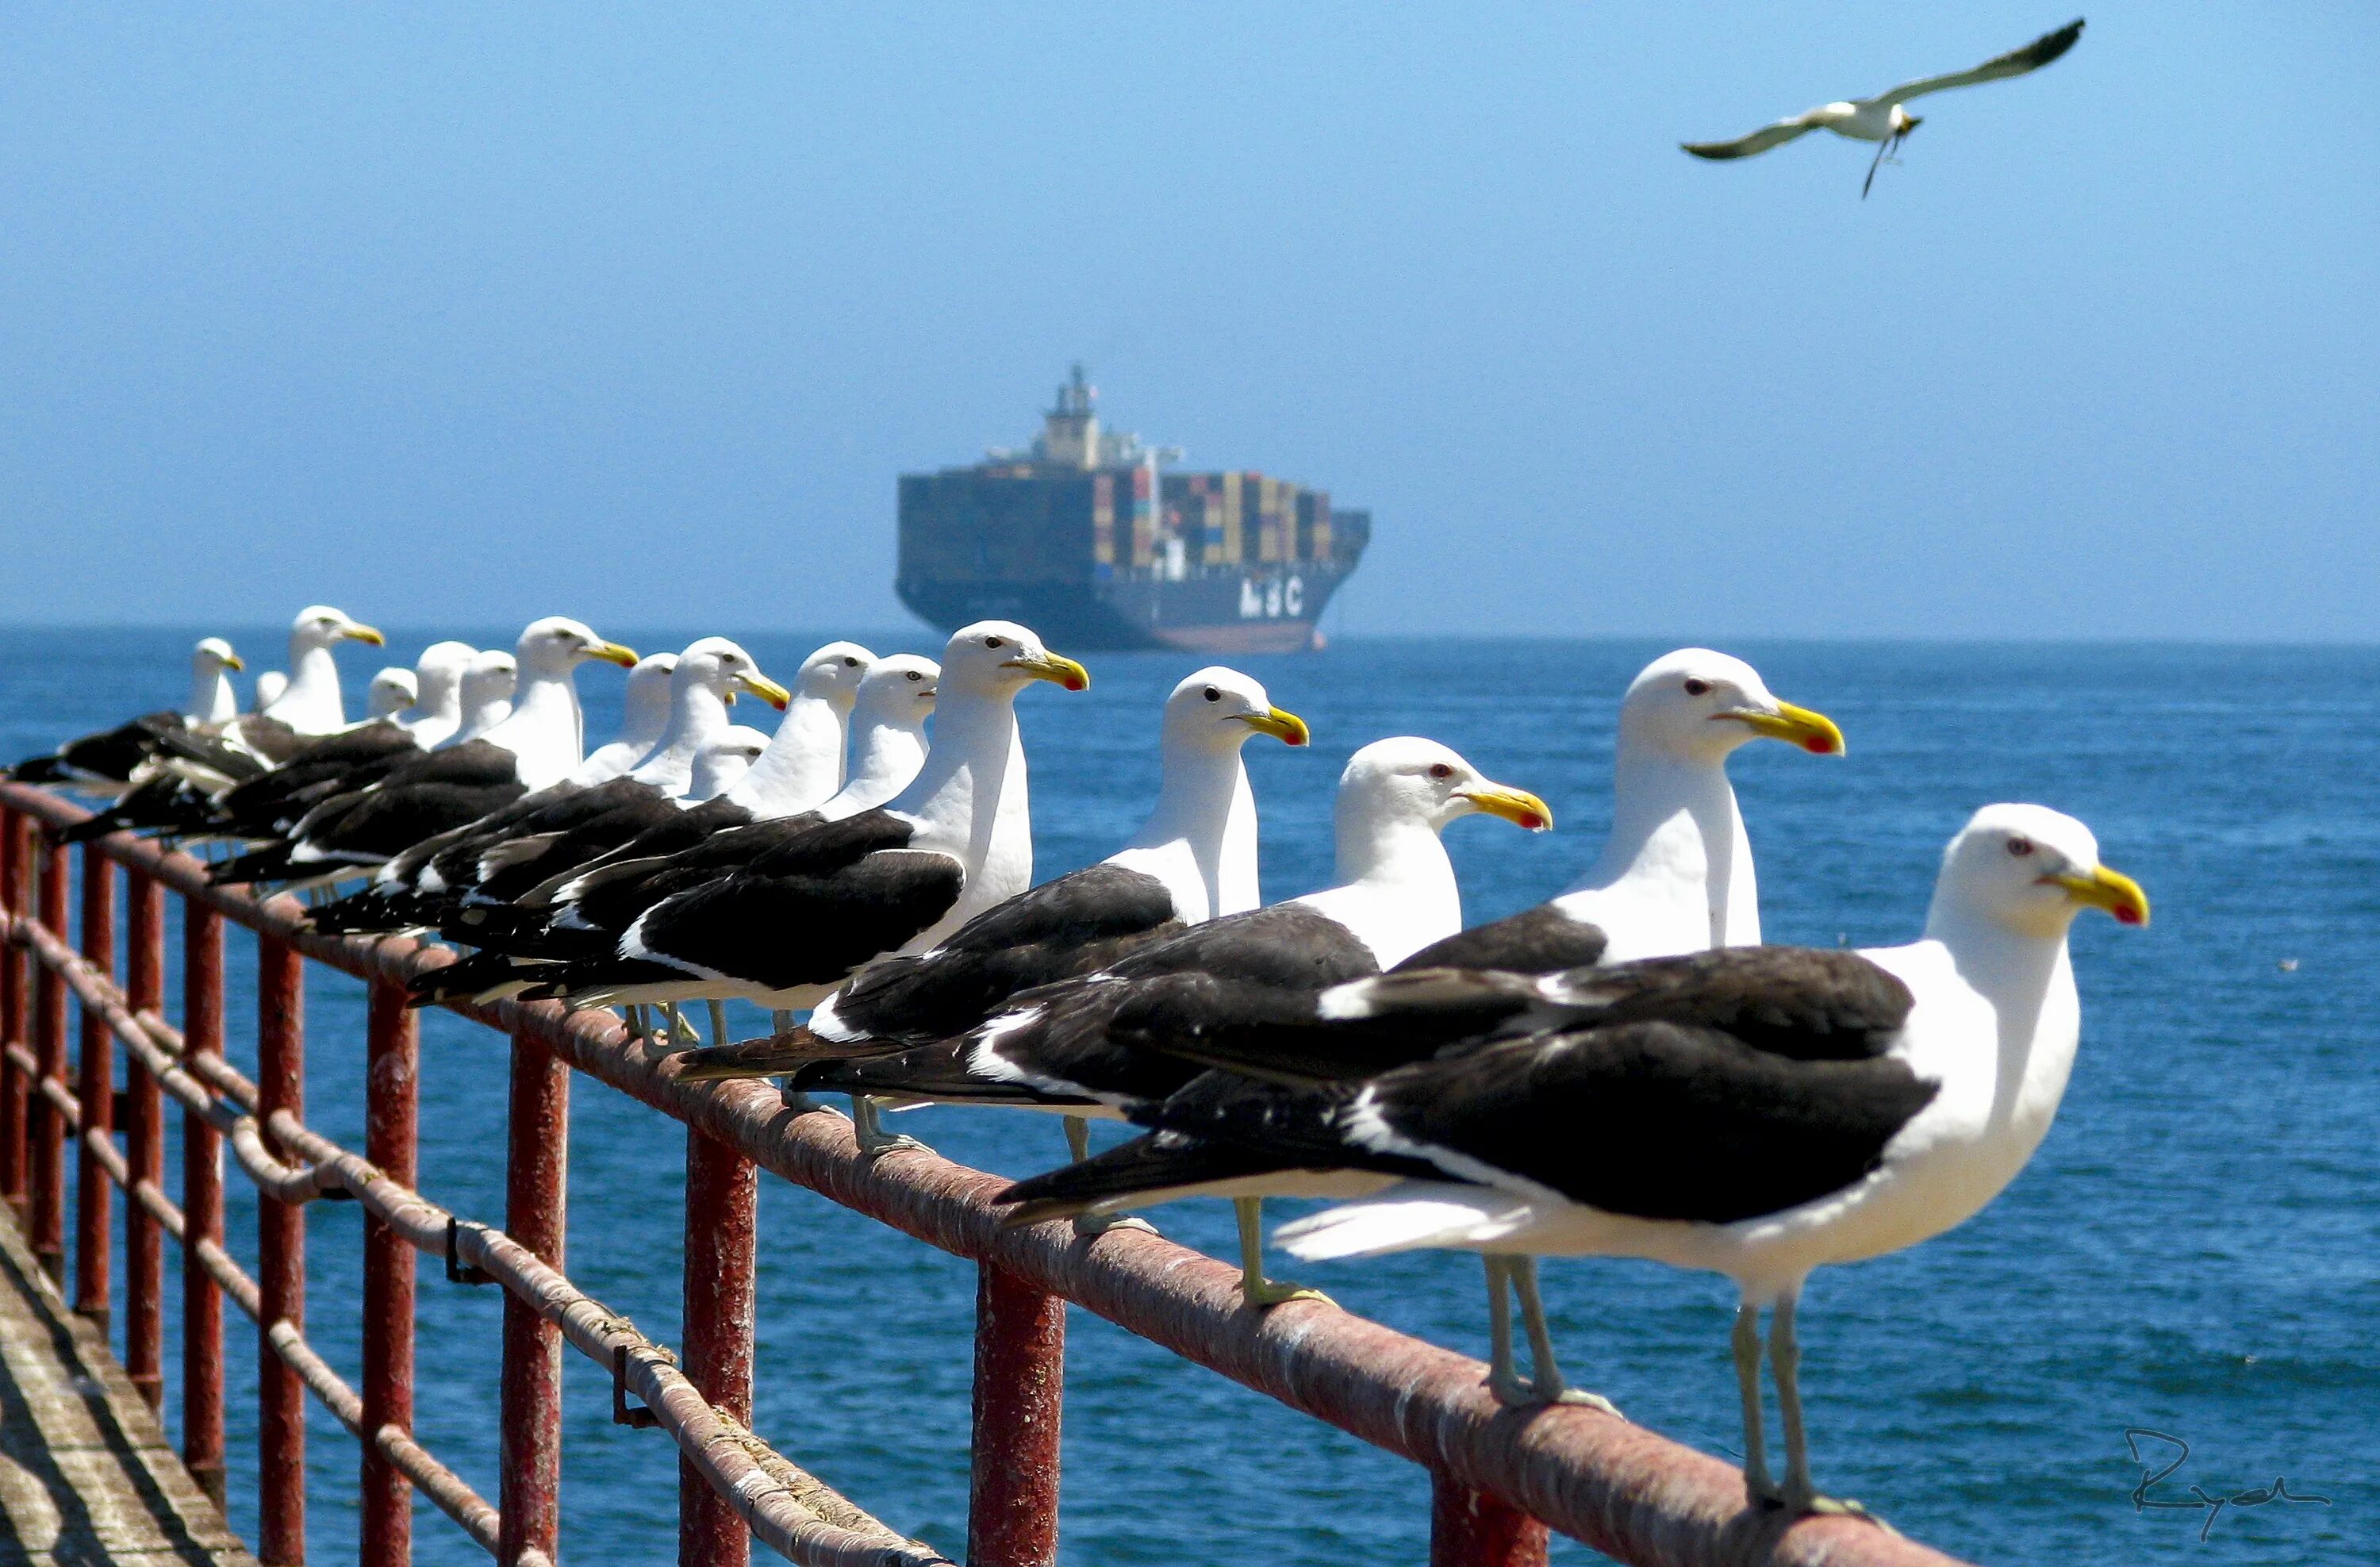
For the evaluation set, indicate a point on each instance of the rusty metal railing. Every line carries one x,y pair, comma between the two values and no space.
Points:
1499,1477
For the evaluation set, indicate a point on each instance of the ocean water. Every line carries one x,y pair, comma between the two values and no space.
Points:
2194,1251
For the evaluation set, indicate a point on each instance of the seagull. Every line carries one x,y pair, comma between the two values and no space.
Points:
1056,1049
113,760
392,691
1674,876
1757,1113
1881,118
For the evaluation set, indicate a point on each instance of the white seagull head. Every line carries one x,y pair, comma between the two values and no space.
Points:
900,689
1000,657
1218,709
213,655
2031,870
1697,707
832,674
393,690
558,644
726,669
320,625
1410,779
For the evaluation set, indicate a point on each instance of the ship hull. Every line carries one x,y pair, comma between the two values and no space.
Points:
1254,609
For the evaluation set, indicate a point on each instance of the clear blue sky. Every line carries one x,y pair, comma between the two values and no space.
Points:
473,314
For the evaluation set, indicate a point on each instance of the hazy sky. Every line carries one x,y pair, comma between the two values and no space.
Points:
477,312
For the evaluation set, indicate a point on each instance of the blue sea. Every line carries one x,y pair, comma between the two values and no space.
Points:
2195,1250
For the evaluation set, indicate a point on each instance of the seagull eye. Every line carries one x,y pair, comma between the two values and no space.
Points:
1438,769
2020,847
1696,687
851,663
993,642
1213,695
915,677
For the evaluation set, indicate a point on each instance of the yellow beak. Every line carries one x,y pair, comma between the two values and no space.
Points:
1814,731
1516,806
1280,724
360,633
233,661
612,652
2110,889
768,690
1058,671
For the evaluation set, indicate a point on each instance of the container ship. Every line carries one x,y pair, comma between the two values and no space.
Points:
1091,541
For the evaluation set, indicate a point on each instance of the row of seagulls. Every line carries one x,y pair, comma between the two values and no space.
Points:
1882,118
1624,1070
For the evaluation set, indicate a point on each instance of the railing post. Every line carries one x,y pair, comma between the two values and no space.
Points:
536,1186
14,862
722,1197
390,1119
96,1090
1020,1383
1468,1529
203,1215
145,1146
281,1261
48,1135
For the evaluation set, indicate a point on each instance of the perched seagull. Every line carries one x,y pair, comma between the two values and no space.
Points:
270,683
1056,1048
1757,1111
488,682
437,710
310,704
1881,118
644,712
113,760
392,691
1675,876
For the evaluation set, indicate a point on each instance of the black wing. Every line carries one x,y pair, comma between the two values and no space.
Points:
1652,1120
810,912
1061,1041
1065,929
1536,940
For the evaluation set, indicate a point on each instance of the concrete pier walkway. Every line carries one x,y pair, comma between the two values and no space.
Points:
87,1477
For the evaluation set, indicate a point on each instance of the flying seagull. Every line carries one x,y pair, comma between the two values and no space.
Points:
1881,118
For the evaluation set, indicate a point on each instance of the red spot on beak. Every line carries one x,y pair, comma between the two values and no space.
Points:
1818,746
2128,916
1076,682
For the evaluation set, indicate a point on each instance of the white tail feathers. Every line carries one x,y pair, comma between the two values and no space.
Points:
1405,1218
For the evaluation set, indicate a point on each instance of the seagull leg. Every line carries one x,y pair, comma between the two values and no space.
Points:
1785,1364
867,1125
719,1023
1548,1388
638,1029
1088,1225
1503,1380
1255,1288
1758,1486
1881,148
